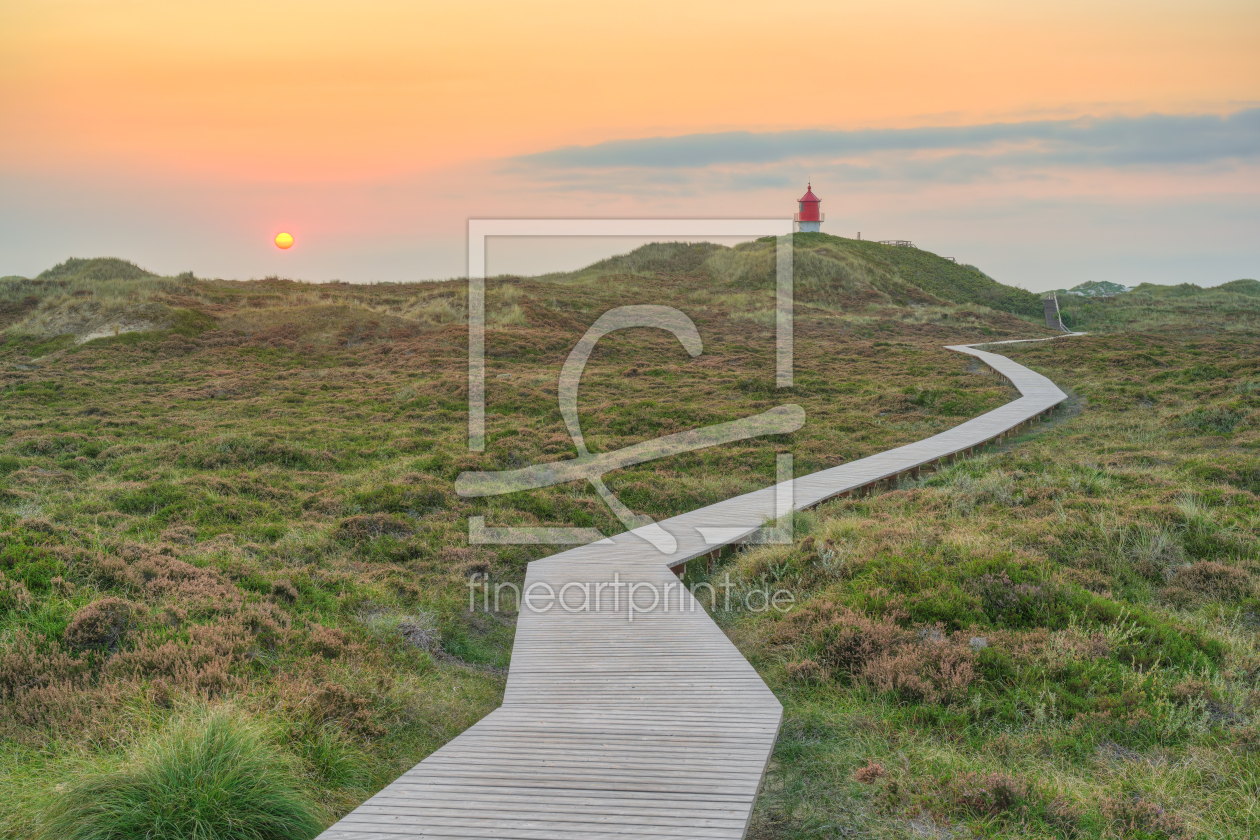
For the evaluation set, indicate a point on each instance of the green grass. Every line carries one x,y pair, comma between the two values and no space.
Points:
961,284
1227,307
216,777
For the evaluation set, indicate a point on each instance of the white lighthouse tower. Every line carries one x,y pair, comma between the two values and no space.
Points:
807,217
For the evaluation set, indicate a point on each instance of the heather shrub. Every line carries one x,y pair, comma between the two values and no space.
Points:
1012,604
1132,816
13,595
29,660
870,772
43,684
1216,580
211,777
49,444
464,561
267,625
148,575
201,665
330,643
335,703
372,526
988,794
807,671
180,535
920,663
201,591
100,624
932,670
284,590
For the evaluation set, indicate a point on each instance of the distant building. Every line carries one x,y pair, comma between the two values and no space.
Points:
807,217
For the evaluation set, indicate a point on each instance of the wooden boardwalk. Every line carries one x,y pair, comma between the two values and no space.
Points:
646,722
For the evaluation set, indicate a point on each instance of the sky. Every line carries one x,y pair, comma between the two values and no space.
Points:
1047,143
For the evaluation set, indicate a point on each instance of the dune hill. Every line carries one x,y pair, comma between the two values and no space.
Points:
86,299
98,269
859,282
863,272
1231,306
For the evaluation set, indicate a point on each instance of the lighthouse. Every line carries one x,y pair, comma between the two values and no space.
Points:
807,217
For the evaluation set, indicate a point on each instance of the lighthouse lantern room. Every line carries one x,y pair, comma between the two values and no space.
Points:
807,217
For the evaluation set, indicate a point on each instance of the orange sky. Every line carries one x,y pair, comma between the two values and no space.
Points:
344,90
185,135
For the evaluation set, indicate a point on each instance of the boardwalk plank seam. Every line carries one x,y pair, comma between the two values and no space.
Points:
653,727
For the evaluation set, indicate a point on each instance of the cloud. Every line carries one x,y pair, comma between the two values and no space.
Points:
949,153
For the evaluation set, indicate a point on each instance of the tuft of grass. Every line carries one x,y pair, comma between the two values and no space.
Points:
209,777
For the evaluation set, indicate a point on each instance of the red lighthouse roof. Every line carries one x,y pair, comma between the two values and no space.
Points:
808,206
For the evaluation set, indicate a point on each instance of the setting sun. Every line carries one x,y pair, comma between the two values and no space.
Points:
284,240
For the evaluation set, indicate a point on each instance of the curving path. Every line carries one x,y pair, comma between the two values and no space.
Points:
644,724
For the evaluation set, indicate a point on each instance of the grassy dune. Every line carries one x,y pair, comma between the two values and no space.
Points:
240,507
1057,638
1225,308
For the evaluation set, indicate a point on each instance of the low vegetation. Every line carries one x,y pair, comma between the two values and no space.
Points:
230,547
1228,307
1056,638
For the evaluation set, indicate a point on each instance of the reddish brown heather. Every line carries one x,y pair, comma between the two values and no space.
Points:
100,624
373,526
1216,580
869,773
146,573
13,595
989,793
920,663
1132,816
